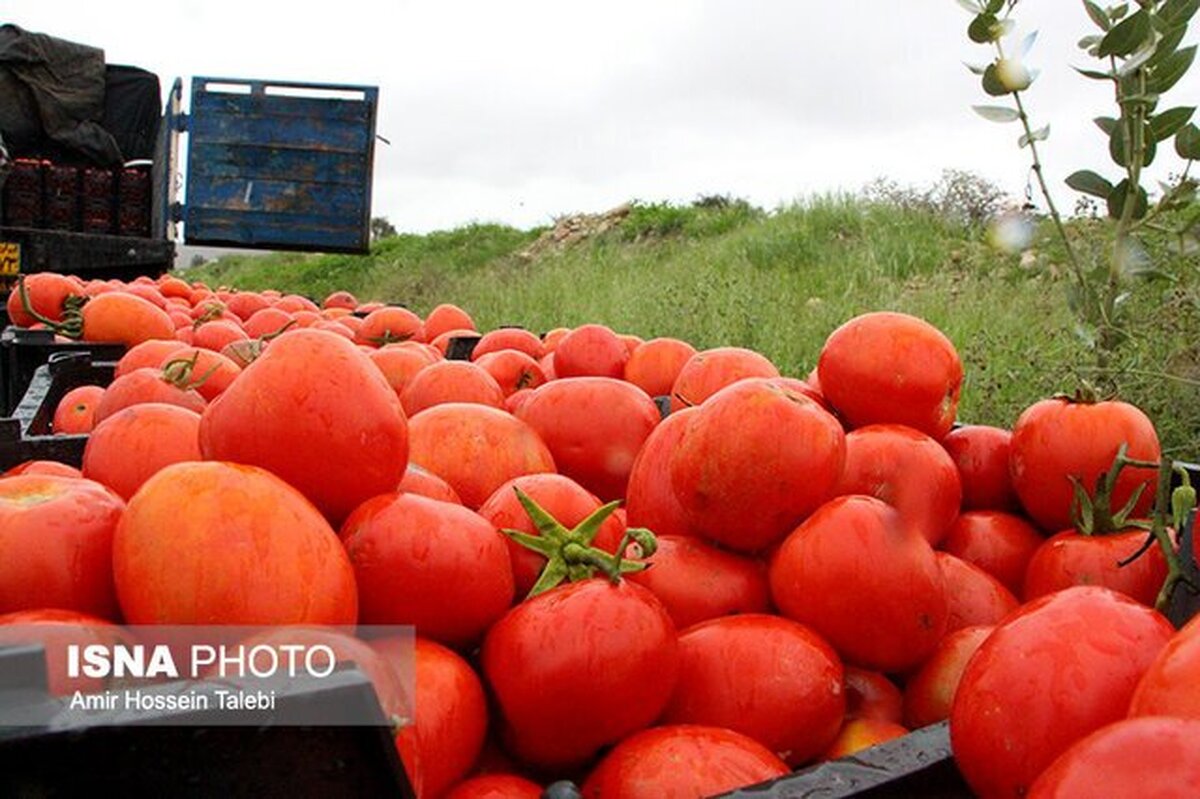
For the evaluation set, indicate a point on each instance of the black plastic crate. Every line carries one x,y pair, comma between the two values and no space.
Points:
23,351
110,754
26,435
461,347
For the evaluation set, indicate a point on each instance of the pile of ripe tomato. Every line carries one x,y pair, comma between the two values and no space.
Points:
833,562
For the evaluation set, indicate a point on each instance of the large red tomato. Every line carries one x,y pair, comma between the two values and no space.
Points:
696,581
56,537
450,381
906,469
446,317
867,583
650,498
590,351
999,543
1157,757
1070,558
435,565
615,642
754,462
929,694
763,676
654,365
1056,439
594,427
981,454
133,444
315,411
707,372
476,449
220,543
894,368
1058,669
682,762
974,596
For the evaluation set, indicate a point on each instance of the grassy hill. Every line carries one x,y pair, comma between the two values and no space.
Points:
724,273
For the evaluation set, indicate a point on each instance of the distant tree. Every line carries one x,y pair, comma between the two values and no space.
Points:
381,228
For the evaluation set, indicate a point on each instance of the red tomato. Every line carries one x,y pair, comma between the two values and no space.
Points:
444,740
616,640
388,324
56,534
1058,669
867,583
655,365
561,497
132,445
141,386
1055,439
218,334
707,372
1169,687
444,318
43,468
496,786
209,372
147,354
1070,558
552,338
981,455
763,676
245,304
999,543
887,367
974,596
871,695
1157,757
741,482
244,548
681,762
418,481
909,471
315,411
76,411
435,565
400,364
591,351
476,449
47,292
650,498
594,427
697,582
929,694
513,370
340,299
509,338
859,734
267,322
450,381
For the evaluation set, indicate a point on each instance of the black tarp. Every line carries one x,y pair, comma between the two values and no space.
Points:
55,101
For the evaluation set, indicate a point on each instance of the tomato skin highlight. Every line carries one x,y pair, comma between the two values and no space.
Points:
579,667
681,762
1157,757
1055,439
1056,670
869,584
767,677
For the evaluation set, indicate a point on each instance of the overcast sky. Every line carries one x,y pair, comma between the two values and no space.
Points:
521,111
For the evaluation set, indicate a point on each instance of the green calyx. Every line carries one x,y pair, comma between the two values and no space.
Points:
71,325
179,372
1092,514
570,554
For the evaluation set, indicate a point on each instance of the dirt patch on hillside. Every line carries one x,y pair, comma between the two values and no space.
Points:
572,229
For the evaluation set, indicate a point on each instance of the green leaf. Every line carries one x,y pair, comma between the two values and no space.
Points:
996,113
1168,71
1118,12
1041,134
991,82
975,69
1094,74
1116,146
1097,14
970,6
1187,142
1105,124
1179,12
1128,36
1151,149
1090,41
994,6
1165,124
1139,58
1167,45
1088,182
983,28
1118,197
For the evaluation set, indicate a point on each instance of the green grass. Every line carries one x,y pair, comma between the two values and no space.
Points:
723,273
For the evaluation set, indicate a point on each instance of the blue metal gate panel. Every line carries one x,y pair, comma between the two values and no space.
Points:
280,165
